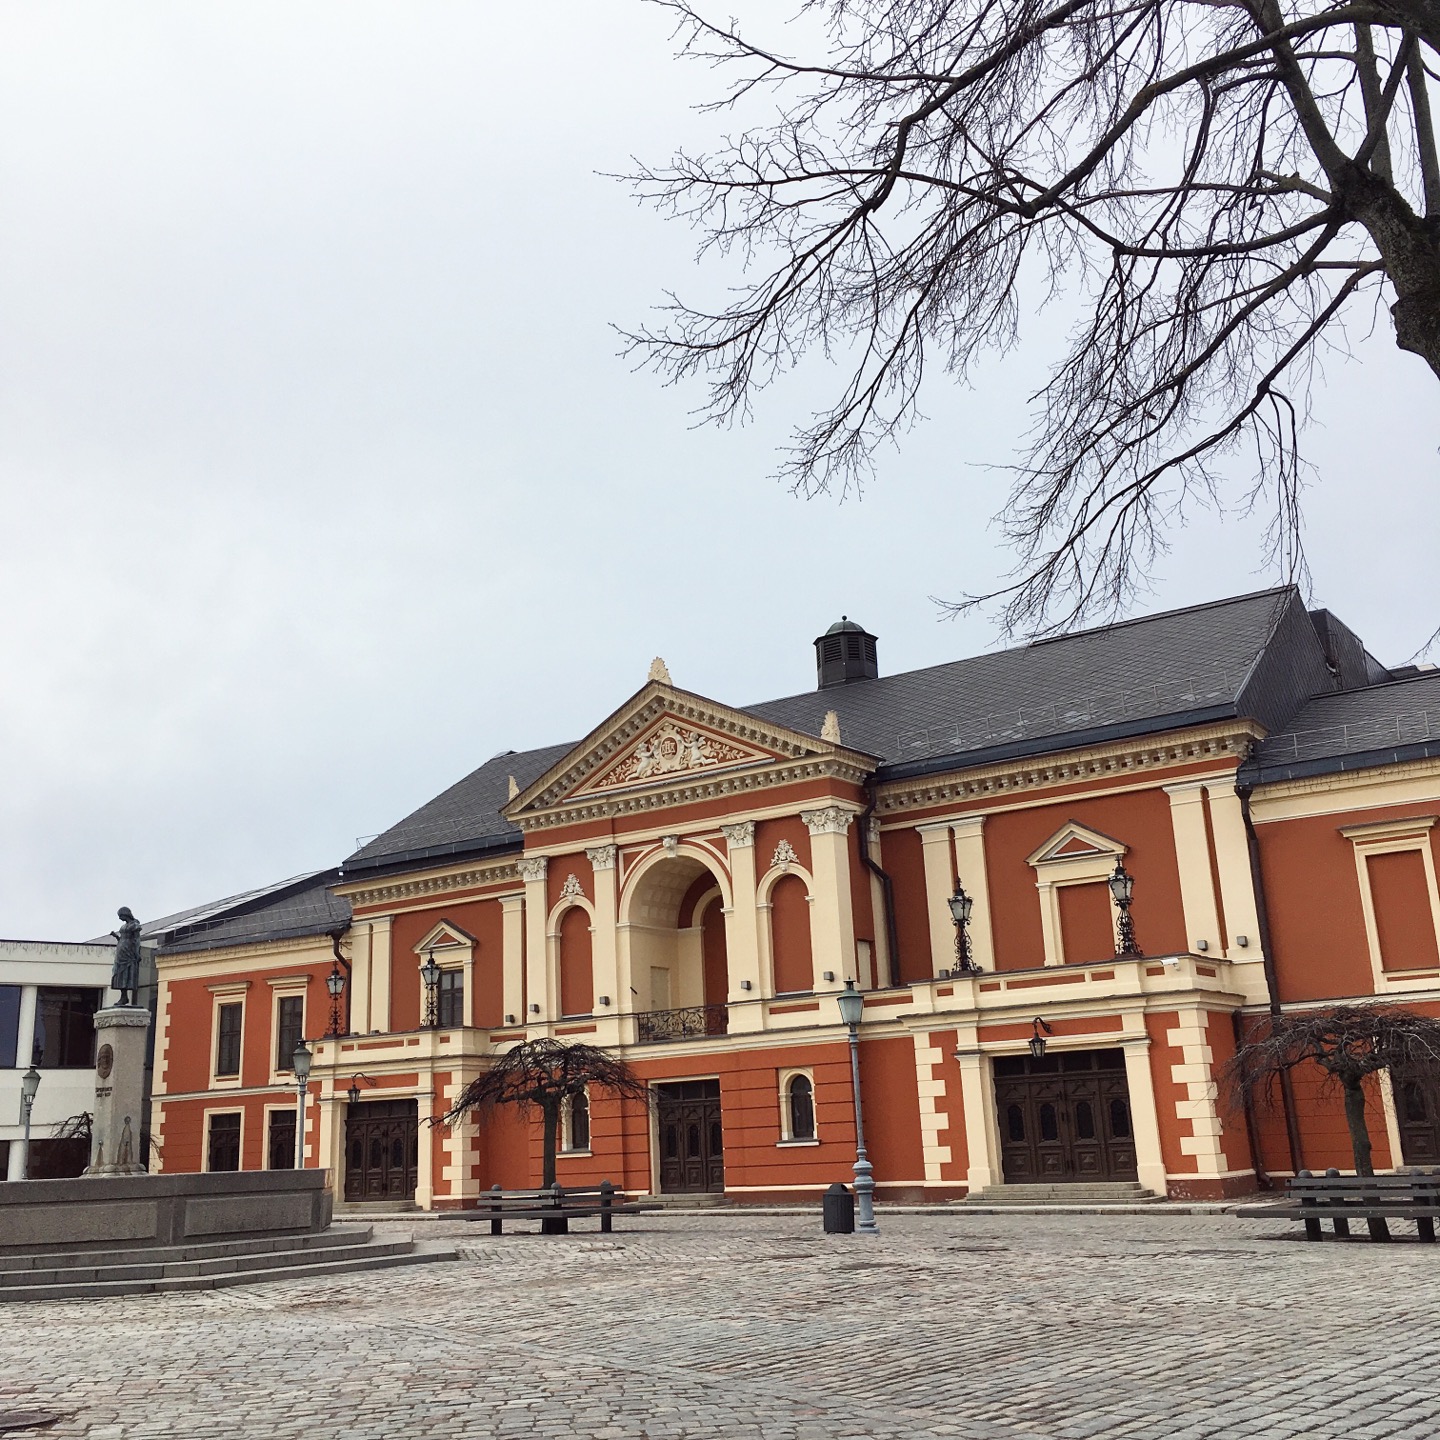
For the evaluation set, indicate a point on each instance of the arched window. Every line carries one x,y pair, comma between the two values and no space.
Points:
575,1122
798,1103
790,936
577,975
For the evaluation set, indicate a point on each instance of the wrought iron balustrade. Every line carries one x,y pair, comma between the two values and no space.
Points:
692,1022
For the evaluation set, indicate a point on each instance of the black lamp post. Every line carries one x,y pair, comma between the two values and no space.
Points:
335,984
1037,1040
300,1061
961,905
852,1010
430,974
1122,889
29,1088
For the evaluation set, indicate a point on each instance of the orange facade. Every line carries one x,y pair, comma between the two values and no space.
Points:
693,886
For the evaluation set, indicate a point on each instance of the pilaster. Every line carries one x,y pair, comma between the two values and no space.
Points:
379,986
512,955
1192,855
537,977
832,916
1232,862
935,847
982,1131
604,952
1144,1116
742,929
974,875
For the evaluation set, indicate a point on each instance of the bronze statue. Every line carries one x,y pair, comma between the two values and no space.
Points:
125,977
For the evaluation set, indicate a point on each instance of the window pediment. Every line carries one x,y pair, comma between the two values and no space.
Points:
444,936
1074,841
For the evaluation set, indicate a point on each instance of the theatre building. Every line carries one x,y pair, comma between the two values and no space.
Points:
692,884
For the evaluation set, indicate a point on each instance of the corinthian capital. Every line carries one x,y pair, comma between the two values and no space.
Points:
739,835
601,857
532,867
832,820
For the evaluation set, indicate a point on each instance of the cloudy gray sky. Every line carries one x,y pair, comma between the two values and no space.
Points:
321,480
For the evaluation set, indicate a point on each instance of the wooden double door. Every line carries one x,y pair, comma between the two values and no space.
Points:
1417,1108
1065,1117
382,1150
692,1138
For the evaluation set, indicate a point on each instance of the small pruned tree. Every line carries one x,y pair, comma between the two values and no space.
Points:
1218,183
1348,1043
541,1075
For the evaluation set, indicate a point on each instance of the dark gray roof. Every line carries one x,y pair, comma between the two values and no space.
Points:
1179,667
1354,730
302,905
464,819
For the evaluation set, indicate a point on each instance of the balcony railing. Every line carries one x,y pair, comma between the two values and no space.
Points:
654,1027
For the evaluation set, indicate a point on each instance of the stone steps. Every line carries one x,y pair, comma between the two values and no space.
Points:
1118,1192
200,1250
81,1275
695,1200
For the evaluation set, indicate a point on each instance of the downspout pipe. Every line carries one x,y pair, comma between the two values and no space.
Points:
887,888
1267,956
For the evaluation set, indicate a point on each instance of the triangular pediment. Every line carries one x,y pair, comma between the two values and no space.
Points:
662,737
444,936
1074,841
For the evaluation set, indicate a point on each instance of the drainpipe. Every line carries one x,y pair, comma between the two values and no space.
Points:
887,888
1267,954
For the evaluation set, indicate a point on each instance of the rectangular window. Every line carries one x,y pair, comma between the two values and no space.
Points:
65,1027
451,999
222,1151
10,1027
227,1040
280,1143
1403,919
289,1029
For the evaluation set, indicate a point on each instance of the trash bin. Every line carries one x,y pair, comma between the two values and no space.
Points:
839,1206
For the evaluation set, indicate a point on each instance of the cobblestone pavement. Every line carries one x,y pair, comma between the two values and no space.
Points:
681,1327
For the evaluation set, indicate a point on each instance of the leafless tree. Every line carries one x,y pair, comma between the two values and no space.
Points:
1222,182
1348,1043
542,1075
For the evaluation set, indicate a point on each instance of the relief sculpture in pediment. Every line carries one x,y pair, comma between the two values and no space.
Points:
671,749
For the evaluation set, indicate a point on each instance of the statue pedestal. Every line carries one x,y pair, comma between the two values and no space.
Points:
119,1091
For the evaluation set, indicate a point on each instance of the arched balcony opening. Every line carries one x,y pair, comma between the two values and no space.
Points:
577,964
675,920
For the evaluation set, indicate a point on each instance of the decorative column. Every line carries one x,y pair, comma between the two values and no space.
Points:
1192,855
742,929
832,916
1144,1114
537,977
378,988
604,948
939,886
877,909
119,1091
512,955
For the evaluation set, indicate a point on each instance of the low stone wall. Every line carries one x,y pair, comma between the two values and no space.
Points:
122,1211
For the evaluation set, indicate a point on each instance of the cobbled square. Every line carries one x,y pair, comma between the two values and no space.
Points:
1012,1327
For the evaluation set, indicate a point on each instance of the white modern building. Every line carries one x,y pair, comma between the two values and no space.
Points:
49,992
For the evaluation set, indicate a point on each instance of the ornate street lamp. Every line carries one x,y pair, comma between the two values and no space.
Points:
430,974
353,1093
335,984
301,1063
960,906
1037,1040
852,1007
29,1085
1122,890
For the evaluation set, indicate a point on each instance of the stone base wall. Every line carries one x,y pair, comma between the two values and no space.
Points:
135,1211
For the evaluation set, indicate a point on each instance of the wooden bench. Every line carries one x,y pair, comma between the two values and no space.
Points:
1409,1195
556,1207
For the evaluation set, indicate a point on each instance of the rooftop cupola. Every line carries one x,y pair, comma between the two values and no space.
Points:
845,652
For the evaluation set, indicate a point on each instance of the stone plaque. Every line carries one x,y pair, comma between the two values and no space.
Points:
104,1061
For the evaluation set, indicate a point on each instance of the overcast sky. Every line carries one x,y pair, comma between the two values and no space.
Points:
321,480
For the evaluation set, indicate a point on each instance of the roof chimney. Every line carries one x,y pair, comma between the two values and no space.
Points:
845,652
